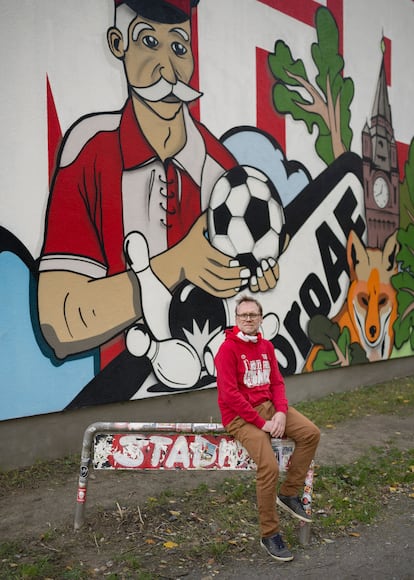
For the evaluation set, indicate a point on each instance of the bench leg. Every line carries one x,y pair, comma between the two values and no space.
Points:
81,495
305,527
304,533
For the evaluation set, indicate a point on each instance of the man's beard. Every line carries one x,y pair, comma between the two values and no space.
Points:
162,89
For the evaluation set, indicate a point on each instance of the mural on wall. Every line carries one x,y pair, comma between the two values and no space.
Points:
155,223
363,329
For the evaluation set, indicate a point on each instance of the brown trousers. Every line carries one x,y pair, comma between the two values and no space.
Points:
257,444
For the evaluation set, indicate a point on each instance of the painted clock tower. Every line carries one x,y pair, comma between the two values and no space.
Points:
380,169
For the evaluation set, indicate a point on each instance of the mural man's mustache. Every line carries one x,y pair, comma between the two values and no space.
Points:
162,89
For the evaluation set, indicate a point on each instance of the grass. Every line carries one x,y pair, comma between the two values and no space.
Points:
346,495
356,493
177,531
34,476
393,397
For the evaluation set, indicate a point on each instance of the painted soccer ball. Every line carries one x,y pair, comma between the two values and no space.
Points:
245,217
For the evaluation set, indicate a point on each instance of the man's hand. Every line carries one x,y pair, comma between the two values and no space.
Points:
195,259
265,277
267,274
276,426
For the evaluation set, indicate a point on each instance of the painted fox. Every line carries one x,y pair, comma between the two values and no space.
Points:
370,309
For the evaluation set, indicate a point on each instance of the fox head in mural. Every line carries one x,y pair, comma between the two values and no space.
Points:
363,329
371,305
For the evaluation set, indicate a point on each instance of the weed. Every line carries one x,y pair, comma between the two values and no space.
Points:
9,550
42,568
218,550
73,573
132,562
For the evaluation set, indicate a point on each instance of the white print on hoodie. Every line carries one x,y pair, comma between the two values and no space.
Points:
257,372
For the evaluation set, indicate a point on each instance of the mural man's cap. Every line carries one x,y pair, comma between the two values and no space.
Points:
161,10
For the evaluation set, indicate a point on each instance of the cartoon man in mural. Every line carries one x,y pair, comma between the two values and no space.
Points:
148,168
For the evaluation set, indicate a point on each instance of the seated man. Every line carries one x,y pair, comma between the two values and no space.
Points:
254,408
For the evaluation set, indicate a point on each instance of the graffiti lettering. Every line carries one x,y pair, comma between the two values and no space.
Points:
323,288
330,246
293,326
345,210
160,449
170,452
286,356
179,455
184,451
313,289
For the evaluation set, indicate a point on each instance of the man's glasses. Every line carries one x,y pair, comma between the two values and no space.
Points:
248,315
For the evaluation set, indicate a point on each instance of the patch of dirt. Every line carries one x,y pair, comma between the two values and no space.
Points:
344,443
32,514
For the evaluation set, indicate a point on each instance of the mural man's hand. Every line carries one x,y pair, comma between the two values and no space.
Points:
195,260
267,274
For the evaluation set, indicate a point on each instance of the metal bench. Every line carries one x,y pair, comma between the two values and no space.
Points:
173,446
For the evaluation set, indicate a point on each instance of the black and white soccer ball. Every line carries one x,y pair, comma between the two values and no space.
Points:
245,217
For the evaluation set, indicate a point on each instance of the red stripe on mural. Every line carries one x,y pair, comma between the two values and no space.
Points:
304,11
110,350
402,152
54,132
195,81
267,118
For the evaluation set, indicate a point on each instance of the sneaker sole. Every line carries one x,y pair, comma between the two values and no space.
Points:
278,558
280,503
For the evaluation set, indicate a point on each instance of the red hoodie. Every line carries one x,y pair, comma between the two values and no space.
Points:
248,375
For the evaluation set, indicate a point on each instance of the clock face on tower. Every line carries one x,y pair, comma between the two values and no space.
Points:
381,192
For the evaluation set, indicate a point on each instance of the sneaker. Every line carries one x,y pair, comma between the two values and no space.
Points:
293,505
276,548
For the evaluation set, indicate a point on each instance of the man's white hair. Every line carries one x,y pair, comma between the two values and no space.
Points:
124,15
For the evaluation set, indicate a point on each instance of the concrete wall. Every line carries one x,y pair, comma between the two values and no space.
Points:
25,441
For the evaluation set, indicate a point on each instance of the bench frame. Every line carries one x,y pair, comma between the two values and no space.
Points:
174,446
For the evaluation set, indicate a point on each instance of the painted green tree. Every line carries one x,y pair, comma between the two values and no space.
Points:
325,105
403,282
336,350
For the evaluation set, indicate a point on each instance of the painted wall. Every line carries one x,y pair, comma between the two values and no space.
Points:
315,96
